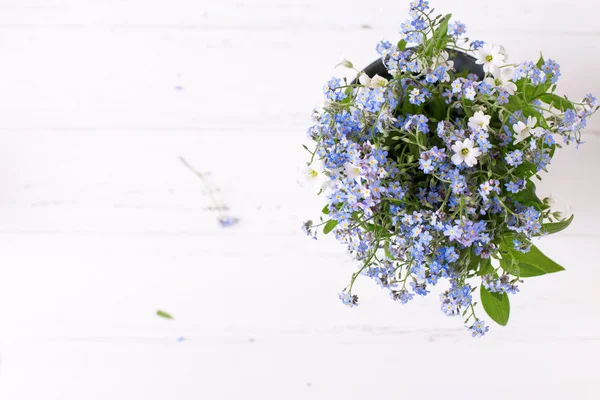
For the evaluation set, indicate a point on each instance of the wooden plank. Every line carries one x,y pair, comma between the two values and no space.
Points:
554,17
121,79
73,286
291,369
123,182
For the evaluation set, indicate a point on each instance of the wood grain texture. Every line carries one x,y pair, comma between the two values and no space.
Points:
101,224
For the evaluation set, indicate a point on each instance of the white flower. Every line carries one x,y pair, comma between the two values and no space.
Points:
442,59
312,173
479,121
313,176
420,66
364,80
374,82
465,151
491,56
503,78
524,130
352,171
378,81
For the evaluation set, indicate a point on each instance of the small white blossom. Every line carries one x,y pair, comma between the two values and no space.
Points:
503,78
466,152
479,121
313,176
491,56
364,80
374,82
523,130
442,59
352,171
378,81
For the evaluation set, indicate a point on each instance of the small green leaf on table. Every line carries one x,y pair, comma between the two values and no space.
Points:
163,314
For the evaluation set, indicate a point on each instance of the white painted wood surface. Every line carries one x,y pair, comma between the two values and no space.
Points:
101,225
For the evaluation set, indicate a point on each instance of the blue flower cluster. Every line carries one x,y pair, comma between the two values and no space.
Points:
429,172
549,70
479,328
331,90
503,284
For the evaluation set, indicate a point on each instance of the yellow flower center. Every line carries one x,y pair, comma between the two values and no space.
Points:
489,58
465,151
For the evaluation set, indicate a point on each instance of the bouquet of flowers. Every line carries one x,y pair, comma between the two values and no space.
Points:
428,161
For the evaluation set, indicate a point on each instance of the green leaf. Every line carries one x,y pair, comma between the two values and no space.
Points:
440,36
514,102
556,101
554,227
553,149
540,61
386,250
527,196
485,266
438,109
530,92
529,270
407,106
510,265
526,169
496,305
332,223
474,262
325,209
163,314
402,45
535,263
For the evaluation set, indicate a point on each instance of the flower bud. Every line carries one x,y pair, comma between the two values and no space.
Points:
344,63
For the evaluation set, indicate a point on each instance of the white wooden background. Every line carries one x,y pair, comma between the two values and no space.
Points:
101,225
